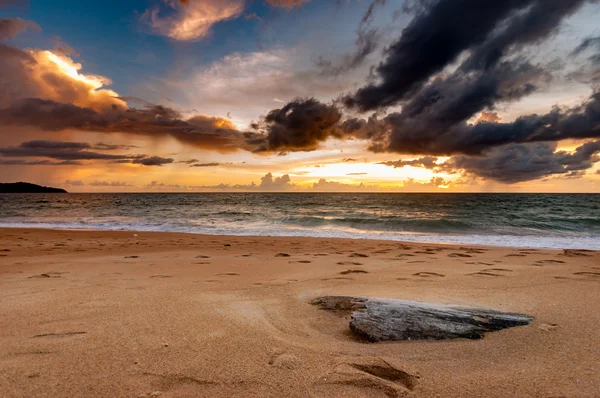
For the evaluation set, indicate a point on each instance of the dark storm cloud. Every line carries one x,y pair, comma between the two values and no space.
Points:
434,111
299,126
514,163
524,162
541,19
437,110
432,40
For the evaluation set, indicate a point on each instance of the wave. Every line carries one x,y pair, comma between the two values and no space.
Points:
501,240
391,224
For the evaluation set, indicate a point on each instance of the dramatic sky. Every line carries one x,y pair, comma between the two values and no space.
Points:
301,95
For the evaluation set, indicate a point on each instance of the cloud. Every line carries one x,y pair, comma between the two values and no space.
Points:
162,185
152,121
74,183
324,185
43,74
190,161
299,126
514,163
153,161
440,97
524,162
436,37
48,91
428,162
72,152
287,3
22,162
114,184
367,41
190,20
10,27
268,182
113,147
59,150
213,164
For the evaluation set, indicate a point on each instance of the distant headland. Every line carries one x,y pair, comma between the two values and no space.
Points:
25,187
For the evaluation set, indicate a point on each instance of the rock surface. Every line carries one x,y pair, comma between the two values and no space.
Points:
377,319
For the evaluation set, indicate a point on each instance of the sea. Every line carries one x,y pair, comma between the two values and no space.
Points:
512,220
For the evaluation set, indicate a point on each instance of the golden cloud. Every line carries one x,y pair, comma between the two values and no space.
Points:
190,20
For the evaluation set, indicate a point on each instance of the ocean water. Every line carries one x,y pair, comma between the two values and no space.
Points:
516,220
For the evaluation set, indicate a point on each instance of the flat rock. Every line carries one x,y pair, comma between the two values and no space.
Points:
378,319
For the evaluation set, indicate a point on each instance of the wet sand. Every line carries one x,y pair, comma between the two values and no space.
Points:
96,313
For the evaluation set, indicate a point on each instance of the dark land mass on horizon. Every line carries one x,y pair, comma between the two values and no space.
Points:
25,187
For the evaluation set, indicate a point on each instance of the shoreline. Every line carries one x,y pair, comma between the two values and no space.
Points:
444,239
189,315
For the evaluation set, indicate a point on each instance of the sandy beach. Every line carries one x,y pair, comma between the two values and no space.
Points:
137,314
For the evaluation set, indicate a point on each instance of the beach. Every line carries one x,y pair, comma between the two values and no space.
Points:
141,314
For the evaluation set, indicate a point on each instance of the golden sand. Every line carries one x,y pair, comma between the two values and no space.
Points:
124,314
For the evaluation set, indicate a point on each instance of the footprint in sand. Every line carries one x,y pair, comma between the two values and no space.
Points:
228,274
358,255
582,276
282,255
459,255
541,263
300,262
58,335
380,376
47,275
416,262
161,276
321,255
497,270
429,275
354,271
405,255
339,278
516,255
285,361
132,256
485,273
588,274
577,253
202,256
548,327
349,263
382,251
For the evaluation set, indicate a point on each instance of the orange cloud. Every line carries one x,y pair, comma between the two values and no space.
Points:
489,117
58,78
287,3
190,20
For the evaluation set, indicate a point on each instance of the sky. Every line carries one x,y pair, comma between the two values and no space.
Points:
301,95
